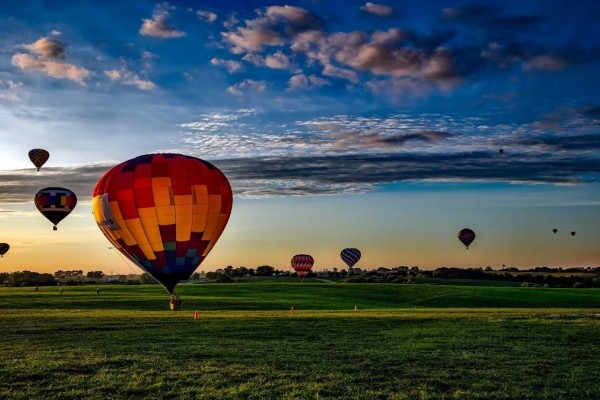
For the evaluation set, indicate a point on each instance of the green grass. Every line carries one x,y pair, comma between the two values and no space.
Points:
405,342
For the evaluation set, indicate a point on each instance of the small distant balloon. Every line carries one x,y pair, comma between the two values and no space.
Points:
38,157
3,249
55,203
466,236
302,264
554,230
350,256
573,233
501,151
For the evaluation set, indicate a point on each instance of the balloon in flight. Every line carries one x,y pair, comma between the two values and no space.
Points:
3,249
302,264
554,230
38,157
164,212
350,256
466,236
55,203
573,233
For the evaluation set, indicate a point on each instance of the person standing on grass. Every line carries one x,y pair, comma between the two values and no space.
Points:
97,290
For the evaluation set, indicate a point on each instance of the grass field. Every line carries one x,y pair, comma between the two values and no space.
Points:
404,342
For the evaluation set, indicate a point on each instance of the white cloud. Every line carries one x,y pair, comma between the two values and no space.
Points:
9,90
301,81
380,10
46,47
129,78
159,25
55,69
247,85
231,66
206,16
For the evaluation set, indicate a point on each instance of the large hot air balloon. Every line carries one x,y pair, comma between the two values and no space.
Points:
38,157
350,256
55,203
466,236
302,264
164,212
3,249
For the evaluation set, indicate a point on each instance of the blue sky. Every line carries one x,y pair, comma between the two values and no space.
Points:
338,123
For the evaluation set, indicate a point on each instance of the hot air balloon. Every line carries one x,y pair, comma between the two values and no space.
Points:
350,256
164,212
55,203
501,151
554,230
3,249
573,233
466,236
302,264
38,157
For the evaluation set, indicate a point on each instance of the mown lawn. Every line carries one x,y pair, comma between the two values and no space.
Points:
404,342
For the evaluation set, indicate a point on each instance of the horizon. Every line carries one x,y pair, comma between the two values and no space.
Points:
388,128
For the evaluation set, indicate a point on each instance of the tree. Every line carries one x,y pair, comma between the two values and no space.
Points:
95,275
264,270
146,279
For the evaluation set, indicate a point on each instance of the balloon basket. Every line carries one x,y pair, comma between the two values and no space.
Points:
175,307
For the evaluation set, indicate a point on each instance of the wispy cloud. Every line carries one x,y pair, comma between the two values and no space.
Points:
54,69
129,78
381,10
207,16
159,25
247,85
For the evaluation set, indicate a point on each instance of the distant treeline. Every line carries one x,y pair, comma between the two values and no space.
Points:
538,276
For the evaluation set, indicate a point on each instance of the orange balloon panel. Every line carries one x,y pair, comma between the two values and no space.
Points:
164,212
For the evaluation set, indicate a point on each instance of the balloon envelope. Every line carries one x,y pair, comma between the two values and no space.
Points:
38,157
466,236
573,233
164,212
4,248
55,203
302,264
554,230
350,256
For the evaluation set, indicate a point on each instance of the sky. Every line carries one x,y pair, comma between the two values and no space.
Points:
375,125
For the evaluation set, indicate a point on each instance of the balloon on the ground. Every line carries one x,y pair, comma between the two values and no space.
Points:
38,157
164,212
466,236
55,203
3,249
302,264
350,256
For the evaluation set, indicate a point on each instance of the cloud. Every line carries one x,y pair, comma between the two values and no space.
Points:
272,28
277,60
46,47
587,142
380,10
247,85
206,16
159,25
370,140
55,69
301,81
232,66
9,90
545,63
129,78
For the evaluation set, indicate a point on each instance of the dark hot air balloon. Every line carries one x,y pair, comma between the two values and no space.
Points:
164,212
302,264
3,249
554,230
55,203
38,157
466,236
350,256
501,151
573,233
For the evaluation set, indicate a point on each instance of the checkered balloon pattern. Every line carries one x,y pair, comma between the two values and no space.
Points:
55,203
350,256
164,212
302,264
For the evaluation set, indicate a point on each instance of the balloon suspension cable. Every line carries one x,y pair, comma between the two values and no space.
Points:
124,260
